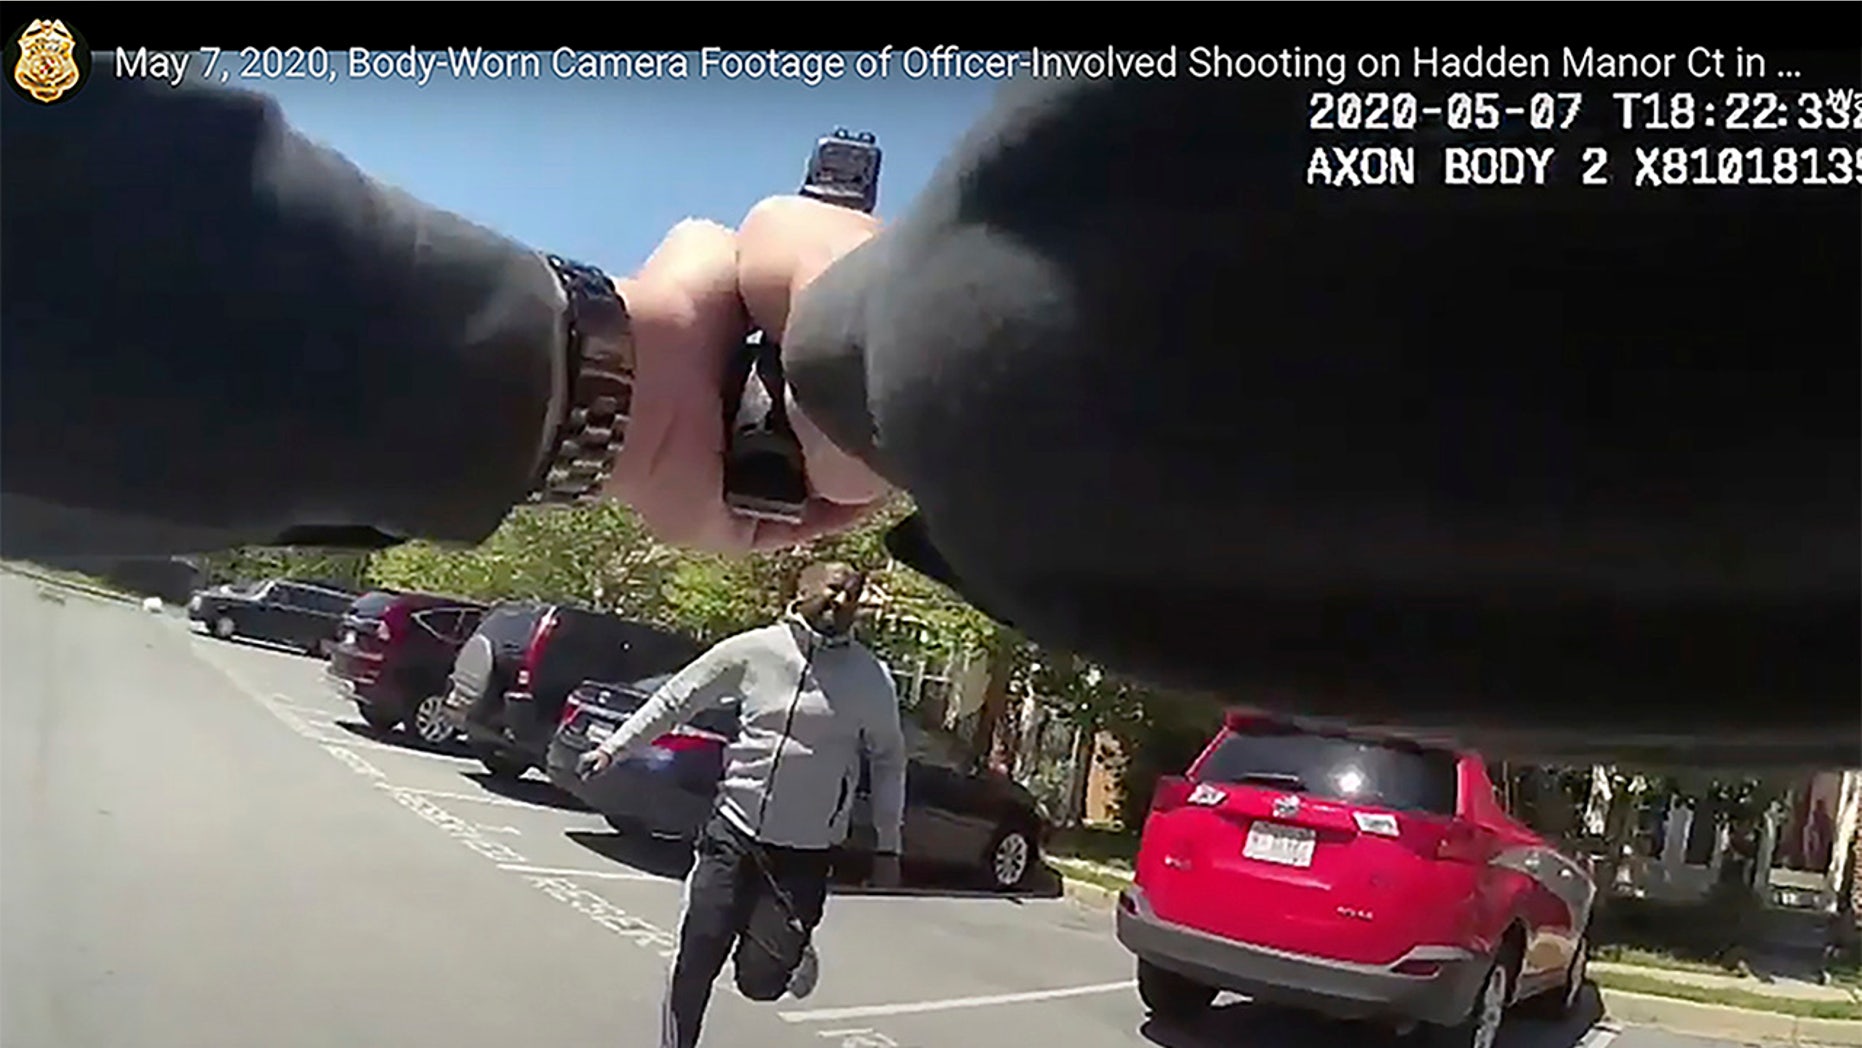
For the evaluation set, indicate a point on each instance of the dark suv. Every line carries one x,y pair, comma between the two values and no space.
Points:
283,611
393,655
513,676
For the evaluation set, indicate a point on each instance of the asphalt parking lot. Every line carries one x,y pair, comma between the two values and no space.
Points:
200,847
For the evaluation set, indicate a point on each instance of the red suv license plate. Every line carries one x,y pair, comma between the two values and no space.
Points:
1280,844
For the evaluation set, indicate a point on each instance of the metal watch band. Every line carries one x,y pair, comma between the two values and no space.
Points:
600,345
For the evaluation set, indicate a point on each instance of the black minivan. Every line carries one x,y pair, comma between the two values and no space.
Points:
513,676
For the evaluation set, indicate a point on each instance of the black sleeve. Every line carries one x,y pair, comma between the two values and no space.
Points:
217,332
1559,467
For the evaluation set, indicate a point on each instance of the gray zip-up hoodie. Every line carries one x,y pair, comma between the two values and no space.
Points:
809,707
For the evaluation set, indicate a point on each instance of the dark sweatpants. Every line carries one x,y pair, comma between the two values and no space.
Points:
732,901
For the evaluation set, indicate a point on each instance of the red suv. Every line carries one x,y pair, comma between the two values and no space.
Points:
392,655
1360,876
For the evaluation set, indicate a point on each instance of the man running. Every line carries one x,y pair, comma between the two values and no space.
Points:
812,701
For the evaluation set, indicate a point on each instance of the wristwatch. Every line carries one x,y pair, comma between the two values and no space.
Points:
594,388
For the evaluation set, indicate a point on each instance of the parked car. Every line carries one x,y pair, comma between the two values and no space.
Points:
1360,876
302,614
955,819
668,790
513,675
394,654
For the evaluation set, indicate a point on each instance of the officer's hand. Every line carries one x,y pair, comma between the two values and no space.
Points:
885,871
783,245
692,305
593,763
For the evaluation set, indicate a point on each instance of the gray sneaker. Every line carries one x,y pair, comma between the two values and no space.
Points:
807,973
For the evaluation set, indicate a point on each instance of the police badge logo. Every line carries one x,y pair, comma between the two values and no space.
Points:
49,61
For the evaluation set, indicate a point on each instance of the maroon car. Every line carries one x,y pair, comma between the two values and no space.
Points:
392,655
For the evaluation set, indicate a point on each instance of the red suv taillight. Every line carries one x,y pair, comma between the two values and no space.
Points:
392,623
687,739
1172,792
533,655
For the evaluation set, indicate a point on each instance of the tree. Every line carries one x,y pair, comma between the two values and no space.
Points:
1159,733
599,556
713,597
1001,651
252,563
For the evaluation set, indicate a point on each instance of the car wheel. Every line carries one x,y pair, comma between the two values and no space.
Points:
224,628
1010,859
1482,1025
1170,996
1562,1002
428,721
378,720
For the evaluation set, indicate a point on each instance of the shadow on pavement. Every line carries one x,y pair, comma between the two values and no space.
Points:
672,858
1045,883
658,856
1258,1026
262,645
528,790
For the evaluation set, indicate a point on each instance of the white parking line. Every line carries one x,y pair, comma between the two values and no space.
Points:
951,1003
281,699
858,1037
356,763
476,799
606,875
1599,1036
381,747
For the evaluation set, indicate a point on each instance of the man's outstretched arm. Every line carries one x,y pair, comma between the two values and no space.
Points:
707,681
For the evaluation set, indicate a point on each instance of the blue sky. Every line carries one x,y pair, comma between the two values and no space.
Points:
600,169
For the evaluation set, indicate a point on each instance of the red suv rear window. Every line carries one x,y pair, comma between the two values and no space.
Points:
1335,767
372,605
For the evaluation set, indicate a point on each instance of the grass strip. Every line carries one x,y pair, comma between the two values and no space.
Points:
1655,986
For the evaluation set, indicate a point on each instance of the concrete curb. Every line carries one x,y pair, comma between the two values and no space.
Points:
1091,896
66,584
1722,1022
1669,1013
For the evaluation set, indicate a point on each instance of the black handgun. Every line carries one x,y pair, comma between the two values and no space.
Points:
764,476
